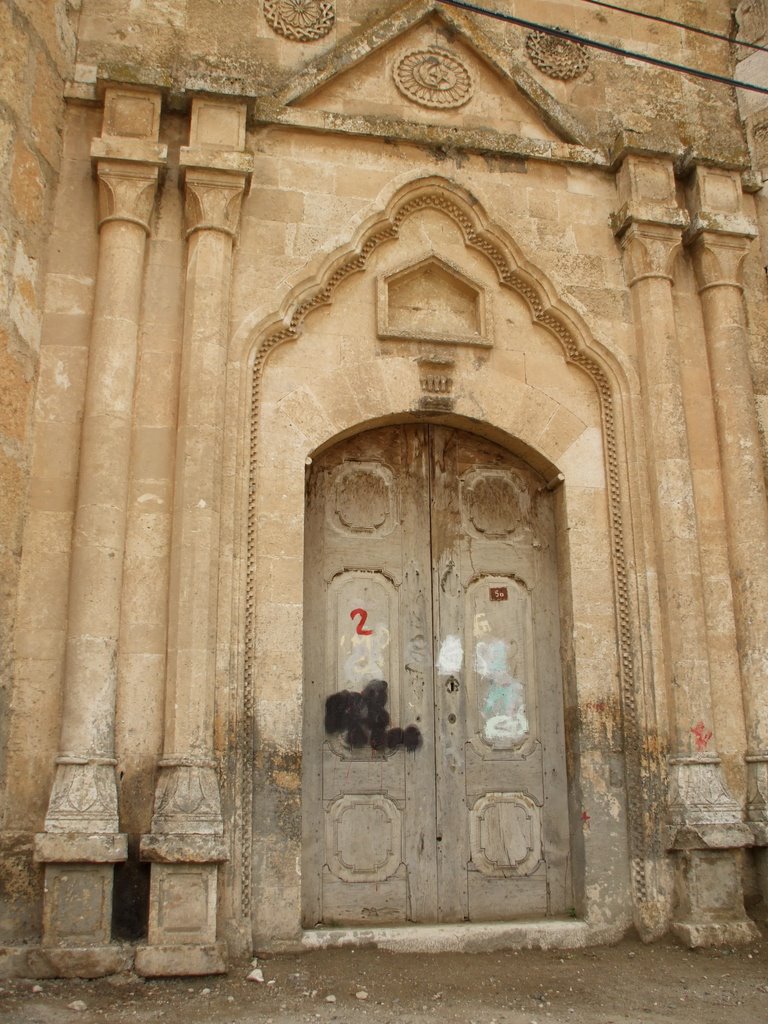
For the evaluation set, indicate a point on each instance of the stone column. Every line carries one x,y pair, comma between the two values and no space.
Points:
82,842
187,841
705,822
719,237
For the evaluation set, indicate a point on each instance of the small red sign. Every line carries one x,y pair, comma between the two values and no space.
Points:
499,594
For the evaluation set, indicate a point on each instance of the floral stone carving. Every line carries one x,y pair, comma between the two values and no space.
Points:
558,58
303,21
433,78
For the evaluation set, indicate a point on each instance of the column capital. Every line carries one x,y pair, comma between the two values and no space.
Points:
212,199
126,192
215,168
650,249
718,258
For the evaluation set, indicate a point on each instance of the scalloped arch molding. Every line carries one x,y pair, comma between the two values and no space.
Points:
513,271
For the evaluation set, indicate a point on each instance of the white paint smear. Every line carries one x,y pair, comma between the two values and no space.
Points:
451,656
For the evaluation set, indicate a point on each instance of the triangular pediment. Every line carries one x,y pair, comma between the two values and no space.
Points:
428,70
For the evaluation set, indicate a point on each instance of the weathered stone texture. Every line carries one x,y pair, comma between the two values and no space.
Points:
38,46
232,250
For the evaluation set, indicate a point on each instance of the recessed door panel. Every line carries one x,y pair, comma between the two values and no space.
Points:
440,796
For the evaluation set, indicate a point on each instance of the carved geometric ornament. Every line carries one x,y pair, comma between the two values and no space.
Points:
364,838
558,58
433,78
505,835
302,21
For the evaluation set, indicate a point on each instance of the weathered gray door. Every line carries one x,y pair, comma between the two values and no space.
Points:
430,564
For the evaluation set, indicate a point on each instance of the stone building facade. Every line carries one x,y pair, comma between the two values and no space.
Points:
349,342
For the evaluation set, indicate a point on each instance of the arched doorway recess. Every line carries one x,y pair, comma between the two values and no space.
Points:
322,370
434,781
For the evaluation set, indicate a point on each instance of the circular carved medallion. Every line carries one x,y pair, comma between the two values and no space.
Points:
433,78
558,58
300,20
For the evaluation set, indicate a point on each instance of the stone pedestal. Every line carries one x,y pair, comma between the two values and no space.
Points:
710,899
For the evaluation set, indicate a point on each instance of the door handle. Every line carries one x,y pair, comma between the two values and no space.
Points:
452,684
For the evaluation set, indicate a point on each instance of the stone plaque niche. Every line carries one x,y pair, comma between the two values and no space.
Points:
432,301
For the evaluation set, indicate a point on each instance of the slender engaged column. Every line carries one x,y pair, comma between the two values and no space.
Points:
719,237
82,841
187,840
703,816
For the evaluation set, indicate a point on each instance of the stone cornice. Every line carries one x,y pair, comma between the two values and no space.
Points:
444,137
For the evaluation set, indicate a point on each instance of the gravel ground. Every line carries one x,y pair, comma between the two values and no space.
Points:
629,982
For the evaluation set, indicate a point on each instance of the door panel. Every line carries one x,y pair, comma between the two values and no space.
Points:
430,564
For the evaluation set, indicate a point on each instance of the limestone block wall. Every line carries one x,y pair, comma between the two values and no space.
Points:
258,341
38,57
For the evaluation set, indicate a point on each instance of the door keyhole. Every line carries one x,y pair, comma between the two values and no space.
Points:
452,684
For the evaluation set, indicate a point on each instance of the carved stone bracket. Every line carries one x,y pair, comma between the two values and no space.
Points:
757,796
702,812
83,797
187,800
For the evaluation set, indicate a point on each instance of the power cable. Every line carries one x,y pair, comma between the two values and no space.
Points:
606,47
677,24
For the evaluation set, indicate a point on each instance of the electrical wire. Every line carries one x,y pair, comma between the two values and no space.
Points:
606,47
677,24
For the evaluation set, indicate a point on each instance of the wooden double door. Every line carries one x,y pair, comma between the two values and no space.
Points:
430,565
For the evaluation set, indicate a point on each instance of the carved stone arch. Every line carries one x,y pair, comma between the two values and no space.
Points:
612,382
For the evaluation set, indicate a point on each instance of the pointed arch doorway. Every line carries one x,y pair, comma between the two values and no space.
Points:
431,565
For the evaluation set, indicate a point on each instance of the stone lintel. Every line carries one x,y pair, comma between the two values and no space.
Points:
132,151
181,960
210,159
184,849
84,962
77,848
717,836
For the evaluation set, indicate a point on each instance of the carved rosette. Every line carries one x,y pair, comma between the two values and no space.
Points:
83,797
434,78
302,21
557,58
187,801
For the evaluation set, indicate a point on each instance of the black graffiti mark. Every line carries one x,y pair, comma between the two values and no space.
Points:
365,719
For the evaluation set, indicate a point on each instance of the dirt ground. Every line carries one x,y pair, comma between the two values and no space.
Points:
631,982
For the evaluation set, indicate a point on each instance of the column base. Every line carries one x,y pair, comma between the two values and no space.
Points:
181,960
710,899
79,961
727,933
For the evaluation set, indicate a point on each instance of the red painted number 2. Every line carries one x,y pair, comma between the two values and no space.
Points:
362,615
